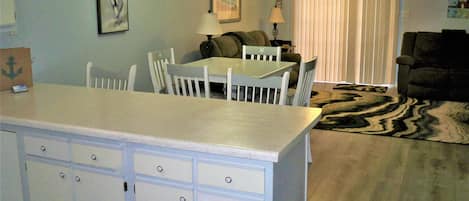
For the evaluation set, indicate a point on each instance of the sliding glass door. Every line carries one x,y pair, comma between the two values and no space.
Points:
355,40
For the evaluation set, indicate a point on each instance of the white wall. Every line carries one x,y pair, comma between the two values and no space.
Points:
429,15
63,35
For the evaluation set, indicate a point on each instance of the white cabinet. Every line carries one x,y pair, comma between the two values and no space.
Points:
7,13
10,179
210,197
93,187
58,170
49,182
153,192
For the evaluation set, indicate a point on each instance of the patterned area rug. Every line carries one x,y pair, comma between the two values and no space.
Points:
376,114
357,87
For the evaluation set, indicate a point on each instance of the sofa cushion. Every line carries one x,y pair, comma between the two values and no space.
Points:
293,80
429,77
227,46
428,48
260,37
243,37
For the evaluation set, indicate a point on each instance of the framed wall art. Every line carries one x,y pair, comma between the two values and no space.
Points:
227,10
458,9
113,16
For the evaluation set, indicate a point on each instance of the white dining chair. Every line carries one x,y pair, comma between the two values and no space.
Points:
270,90
304,86
301,96
123,79
187,81
157,61
264,53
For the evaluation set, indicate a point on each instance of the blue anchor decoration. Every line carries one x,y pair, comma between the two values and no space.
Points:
11,73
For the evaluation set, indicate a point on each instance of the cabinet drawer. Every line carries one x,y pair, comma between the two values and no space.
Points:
233,178
48,148
145,191
97,156
167,167
210,197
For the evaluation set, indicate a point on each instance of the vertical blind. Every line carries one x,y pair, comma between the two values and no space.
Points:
354,40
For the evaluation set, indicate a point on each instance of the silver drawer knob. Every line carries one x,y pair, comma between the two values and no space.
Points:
77,179
228,180
62,175
93,157
43,148
182,198
159,168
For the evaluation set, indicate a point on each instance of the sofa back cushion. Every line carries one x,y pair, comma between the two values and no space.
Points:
408,43
226,46
260,38
428,49
253,38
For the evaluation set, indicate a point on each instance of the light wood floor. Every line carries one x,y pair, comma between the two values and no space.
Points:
356,167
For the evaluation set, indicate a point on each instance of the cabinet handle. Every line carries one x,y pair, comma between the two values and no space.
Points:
159,169
93,157
43,148
62,175
77,179
228,180
182,198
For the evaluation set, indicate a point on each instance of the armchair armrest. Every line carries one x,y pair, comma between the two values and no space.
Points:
405,60
292,57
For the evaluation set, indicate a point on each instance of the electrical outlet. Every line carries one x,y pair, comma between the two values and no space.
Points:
12,33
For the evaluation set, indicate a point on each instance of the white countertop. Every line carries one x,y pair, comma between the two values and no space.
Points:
245,130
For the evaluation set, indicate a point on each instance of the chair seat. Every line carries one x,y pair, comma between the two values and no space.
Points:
429,77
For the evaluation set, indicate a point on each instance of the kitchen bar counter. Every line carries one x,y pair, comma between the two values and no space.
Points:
245,130
96,144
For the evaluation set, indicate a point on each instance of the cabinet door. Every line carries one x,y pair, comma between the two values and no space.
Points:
10,179
49,182
152,192
97,187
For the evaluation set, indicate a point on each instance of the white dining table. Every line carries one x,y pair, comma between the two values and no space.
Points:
218,66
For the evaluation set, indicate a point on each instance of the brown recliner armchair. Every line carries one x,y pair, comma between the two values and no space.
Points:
230,45
434,65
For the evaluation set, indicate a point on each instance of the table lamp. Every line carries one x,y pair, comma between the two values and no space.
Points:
276,17
209,26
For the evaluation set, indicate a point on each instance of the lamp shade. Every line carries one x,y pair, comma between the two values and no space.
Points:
209,25
276,16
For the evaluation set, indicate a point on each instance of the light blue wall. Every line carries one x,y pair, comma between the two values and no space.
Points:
63,35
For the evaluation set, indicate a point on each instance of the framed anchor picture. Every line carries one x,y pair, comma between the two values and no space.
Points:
15,68
113,16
